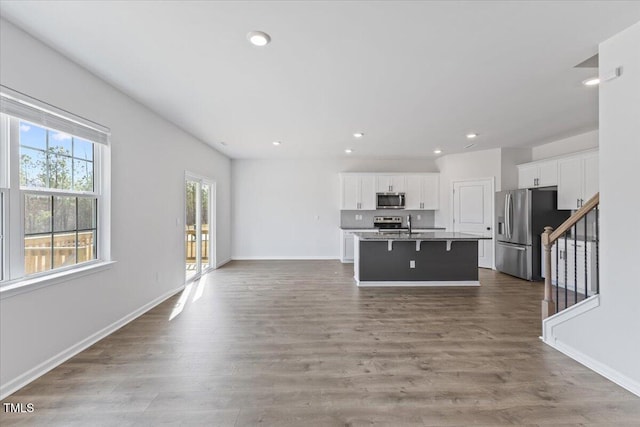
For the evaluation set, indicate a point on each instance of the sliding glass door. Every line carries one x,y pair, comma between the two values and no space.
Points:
199,247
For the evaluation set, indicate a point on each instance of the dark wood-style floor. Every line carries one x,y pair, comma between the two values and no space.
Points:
296,343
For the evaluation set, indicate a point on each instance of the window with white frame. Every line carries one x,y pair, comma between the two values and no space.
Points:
53,189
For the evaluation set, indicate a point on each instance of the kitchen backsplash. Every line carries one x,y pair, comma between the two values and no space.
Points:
348,218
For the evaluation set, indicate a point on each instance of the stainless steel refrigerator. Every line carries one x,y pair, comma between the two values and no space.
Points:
521,216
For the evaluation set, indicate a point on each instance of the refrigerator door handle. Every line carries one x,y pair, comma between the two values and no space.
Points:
510,216
506,215
517,248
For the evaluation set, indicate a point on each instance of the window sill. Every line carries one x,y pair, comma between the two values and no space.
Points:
28,285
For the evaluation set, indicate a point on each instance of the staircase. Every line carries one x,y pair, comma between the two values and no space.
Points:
571,268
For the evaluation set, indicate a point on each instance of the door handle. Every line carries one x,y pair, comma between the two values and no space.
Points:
506,215
509,216
517,248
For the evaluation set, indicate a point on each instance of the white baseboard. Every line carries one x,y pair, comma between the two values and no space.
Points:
41,369
364,284
284,258
549,338
223,262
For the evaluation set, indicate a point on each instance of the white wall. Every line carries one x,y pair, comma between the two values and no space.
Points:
608,338
511,157
149,158
291,208
456,167
584,141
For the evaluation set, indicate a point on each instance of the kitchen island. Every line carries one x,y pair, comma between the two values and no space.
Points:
437,258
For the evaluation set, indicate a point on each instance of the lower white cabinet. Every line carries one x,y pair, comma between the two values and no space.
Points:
346,244
346,254
574,268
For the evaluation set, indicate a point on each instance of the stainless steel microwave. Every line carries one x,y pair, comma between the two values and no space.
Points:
390,200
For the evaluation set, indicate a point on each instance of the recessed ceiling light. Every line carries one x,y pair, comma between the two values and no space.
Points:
276,143
348,151
358,135
593,81
437,151
472,135
258,38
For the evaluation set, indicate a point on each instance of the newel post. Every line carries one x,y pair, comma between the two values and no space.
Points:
548,306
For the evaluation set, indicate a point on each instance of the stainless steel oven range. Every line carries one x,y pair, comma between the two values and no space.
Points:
387,223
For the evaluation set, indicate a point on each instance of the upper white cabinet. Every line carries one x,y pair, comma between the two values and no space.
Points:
358,192
577,180
591,167
390,183
423,191
538,174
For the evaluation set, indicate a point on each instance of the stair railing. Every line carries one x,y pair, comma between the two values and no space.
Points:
585,220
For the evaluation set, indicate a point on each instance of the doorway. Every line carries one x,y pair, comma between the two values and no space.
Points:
199,226
473,213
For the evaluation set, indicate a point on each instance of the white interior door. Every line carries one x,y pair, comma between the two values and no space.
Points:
473,213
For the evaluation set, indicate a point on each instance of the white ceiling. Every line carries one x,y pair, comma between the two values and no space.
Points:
413,76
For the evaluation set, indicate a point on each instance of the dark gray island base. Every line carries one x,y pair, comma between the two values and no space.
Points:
417,259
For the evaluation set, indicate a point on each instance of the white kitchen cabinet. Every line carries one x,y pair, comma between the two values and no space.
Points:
346,254
423,192
527,176
538,174
390,183
347,249
577,180
350,192
368,193
570,183
413,192
358,192
591,166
